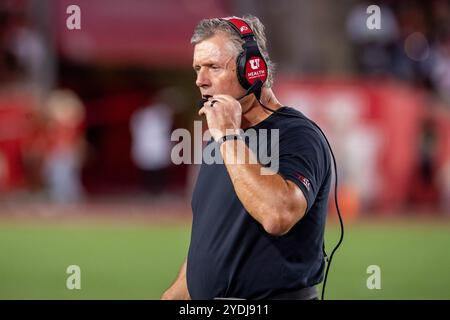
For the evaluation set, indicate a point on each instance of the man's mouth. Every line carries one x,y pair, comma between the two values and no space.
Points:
204,98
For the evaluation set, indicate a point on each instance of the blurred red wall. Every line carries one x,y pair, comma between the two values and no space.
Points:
389,115
149,32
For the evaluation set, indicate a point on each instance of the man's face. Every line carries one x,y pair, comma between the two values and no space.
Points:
215,65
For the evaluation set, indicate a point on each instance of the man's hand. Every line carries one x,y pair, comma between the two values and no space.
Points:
223,114
179,289
176,292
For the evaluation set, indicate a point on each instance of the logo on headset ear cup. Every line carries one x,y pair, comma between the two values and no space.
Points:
255,69
250,70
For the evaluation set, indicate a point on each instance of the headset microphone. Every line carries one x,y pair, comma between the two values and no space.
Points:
255,88
201,102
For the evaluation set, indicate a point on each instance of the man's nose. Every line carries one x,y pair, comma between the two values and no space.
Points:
202,79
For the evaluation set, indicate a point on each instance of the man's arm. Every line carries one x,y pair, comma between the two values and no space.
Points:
276,203
179,289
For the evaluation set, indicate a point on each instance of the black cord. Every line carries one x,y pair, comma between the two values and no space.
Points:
335,194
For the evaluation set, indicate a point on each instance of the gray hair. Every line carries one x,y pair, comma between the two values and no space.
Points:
207,28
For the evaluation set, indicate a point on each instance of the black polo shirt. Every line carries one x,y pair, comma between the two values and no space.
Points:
230,253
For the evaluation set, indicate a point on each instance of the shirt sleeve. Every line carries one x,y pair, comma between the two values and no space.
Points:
302,160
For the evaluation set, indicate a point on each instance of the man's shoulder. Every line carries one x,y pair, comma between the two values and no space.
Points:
293,122
298,131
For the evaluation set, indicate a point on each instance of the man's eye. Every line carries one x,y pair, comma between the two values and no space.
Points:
214,67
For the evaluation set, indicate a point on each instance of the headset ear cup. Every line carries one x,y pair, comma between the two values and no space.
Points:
241,62
254,66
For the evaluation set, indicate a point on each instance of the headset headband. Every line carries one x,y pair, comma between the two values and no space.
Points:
240,26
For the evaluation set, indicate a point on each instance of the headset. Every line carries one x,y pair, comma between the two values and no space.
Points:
251,66
252,72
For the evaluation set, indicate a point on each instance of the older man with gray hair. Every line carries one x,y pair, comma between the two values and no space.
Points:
254,236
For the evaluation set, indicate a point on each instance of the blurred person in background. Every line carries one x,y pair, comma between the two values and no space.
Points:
254,236
441,67
34,149
425,191
151,128
443,181
64,153
24,50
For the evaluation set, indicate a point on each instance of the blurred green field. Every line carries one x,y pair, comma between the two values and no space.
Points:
139,260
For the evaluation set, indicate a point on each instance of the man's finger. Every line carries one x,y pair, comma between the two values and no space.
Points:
224,98
204,110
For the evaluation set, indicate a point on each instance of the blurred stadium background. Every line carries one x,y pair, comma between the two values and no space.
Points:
81,185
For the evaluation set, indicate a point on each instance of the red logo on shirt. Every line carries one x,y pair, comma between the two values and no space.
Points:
305,181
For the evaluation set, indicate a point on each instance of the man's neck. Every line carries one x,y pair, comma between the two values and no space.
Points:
256,113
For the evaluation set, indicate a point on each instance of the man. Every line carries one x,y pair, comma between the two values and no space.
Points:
254,236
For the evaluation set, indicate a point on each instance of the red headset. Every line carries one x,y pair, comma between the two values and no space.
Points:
250,64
